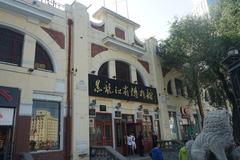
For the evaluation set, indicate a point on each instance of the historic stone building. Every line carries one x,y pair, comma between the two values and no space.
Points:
68,83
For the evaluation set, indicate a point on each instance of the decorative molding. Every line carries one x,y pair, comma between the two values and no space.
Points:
123,46
96,49
57,36
165,71
27,10
145,64
99,27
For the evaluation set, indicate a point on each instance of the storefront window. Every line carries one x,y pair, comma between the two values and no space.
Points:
173,125
196,124
45,124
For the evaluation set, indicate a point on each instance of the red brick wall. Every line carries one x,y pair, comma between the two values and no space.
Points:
119,33
58,37
96,49
21,142
21,135
145,65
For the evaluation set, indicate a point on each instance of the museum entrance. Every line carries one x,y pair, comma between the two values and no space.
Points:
5,142
123,127
102,134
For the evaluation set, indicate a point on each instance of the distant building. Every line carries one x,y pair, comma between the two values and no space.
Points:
201,7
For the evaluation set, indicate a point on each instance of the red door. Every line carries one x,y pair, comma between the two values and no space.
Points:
103,133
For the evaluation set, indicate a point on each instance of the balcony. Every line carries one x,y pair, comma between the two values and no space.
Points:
122,46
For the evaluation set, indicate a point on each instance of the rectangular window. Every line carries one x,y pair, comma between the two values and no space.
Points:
119,33
173,125
45,126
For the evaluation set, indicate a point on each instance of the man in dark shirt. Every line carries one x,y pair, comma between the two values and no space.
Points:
154,139
141,144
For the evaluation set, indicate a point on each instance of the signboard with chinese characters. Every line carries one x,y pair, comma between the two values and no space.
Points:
9,97
6,116
109,88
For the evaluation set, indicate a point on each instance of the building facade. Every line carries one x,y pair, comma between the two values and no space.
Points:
33,80
201,7
68,83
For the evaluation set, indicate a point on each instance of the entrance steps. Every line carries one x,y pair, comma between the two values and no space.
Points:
137,157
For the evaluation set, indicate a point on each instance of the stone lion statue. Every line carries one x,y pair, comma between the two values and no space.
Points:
215,137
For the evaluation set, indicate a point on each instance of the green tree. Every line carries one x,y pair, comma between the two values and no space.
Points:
197,46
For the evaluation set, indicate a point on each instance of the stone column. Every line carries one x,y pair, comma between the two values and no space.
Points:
28,52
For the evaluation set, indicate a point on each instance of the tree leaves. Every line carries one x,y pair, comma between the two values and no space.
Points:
202,43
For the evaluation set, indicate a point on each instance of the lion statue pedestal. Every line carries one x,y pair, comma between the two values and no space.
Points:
215,137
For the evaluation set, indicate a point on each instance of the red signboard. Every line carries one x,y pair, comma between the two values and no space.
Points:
9,97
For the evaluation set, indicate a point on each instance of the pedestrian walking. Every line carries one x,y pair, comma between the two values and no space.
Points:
183,153
156,153
154,139
129,143
134,146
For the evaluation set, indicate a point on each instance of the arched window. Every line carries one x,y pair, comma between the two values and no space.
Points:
42,60
122,71
11,45
139,79
103,70
169,87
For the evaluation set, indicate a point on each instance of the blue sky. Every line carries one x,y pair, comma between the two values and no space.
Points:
154,16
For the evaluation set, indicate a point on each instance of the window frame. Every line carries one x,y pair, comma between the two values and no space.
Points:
105,64
21,36
52,70
173,114
38,95
120,69
169,87
179,86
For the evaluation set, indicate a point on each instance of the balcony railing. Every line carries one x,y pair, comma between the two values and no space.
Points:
53,3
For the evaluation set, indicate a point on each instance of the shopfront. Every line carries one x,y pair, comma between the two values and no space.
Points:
9,101
189,124
122,120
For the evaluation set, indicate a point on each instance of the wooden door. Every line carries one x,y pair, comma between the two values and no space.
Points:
147,125
103,133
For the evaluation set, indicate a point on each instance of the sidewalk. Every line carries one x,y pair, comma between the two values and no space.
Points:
137,157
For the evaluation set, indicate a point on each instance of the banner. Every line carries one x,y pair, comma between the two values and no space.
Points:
9,97
6,116
109,88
